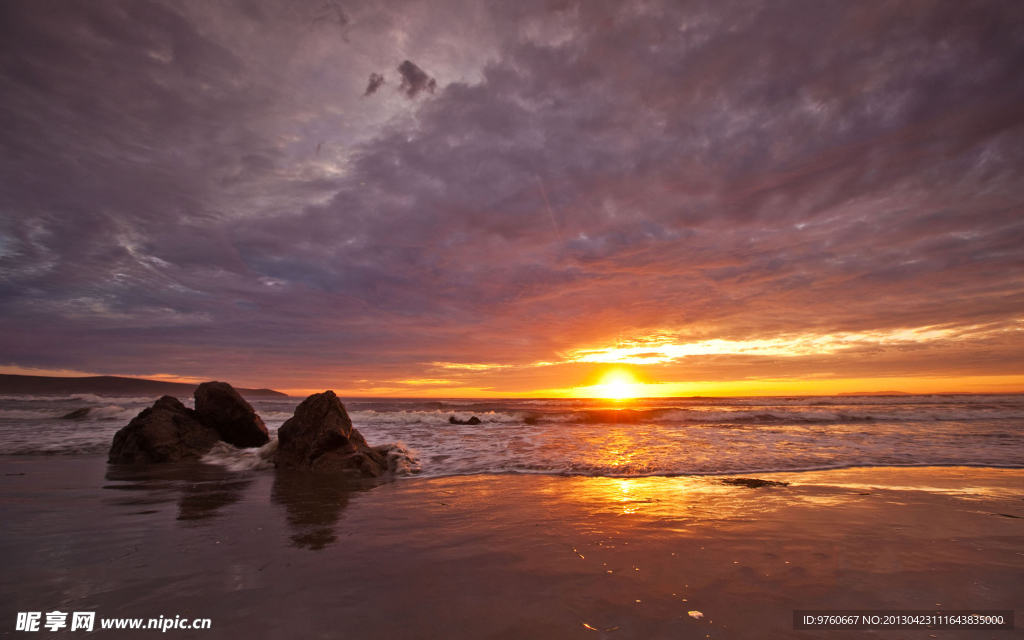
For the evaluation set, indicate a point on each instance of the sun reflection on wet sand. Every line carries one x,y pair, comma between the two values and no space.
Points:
665,500
644,552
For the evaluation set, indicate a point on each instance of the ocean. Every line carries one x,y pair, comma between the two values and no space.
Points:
644,437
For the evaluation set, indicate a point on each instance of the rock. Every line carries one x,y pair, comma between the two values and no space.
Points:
473,420
77,414
754,483
320,437
165,432
219,407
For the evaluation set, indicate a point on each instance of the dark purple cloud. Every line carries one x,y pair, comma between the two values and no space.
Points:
415,80
715,170
376,80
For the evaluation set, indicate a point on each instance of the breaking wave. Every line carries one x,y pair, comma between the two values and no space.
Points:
775,416
402,461
236,459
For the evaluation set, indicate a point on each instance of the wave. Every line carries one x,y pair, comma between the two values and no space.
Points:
235,459
83,397
819,414
110,412
402,461
89,397
596,471
437,416
767,416
113,413
275,415
679,416
31,414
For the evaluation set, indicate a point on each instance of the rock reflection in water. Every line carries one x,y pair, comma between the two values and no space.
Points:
313,504
200,490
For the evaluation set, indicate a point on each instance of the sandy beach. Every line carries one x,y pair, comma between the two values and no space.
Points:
551,320
267,555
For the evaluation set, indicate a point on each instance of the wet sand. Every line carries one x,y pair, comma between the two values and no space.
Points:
273,555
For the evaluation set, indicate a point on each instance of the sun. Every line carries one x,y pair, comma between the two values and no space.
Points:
617,385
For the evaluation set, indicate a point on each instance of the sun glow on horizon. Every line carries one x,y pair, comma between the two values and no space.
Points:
617,385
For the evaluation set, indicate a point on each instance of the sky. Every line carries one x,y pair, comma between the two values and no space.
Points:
449,198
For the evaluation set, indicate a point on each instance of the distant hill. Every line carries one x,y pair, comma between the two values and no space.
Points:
105,386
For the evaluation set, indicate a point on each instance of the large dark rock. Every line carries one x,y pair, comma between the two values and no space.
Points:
320,437
165,432
473,420
219,407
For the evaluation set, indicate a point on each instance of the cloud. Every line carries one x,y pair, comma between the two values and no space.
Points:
708,172
657,351
331,13
376,80
414,80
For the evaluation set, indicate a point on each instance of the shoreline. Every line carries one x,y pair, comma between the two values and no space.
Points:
226,465
280,555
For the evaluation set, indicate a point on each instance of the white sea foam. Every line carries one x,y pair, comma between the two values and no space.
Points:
402,461
88,397
237,459
113,412
30,414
